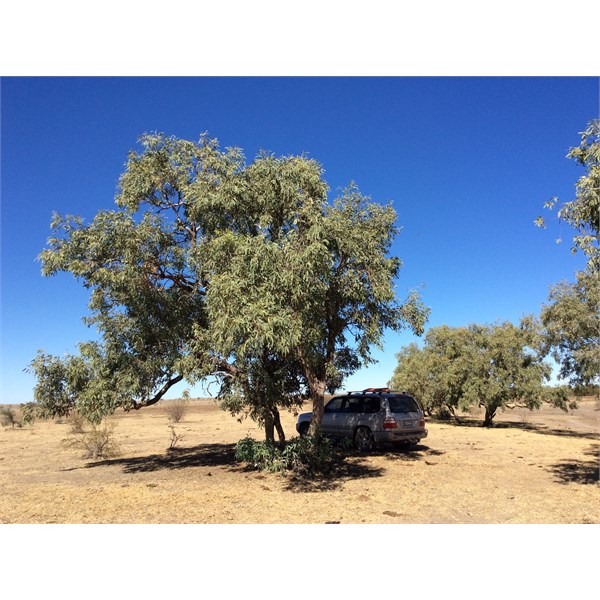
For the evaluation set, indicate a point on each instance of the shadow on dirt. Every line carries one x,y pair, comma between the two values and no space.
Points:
410,453
579,471
533,427
351,464
205,455
342,470
347,465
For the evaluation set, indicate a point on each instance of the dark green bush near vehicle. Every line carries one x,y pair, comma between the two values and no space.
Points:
307,455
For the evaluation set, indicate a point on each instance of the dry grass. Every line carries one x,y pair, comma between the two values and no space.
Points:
537,467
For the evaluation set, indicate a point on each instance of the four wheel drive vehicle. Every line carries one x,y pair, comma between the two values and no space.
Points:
371,418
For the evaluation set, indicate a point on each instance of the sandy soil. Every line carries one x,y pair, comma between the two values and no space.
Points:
533,467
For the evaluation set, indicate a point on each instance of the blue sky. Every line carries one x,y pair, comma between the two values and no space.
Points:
467,163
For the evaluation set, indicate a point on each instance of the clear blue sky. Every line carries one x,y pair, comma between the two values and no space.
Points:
467,162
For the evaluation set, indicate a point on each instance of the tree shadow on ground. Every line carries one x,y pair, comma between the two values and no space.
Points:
351,464
411,453
533,427
341,471
579,471
223,455
204,455
347,464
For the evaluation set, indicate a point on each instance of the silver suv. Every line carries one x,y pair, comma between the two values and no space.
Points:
371,417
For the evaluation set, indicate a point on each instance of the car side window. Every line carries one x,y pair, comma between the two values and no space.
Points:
372,405
353,404
334,405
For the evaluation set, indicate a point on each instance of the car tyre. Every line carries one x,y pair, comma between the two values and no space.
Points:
363,439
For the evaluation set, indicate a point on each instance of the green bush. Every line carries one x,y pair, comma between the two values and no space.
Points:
261,455
305,455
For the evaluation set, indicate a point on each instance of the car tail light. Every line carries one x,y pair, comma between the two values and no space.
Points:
422,422
389,423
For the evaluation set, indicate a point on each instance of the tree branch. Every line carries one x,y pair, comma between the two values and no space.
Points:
165,388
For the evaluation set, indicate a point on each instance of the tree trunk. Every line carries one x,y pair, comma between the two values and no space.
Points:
317,395
316,390
490,413
278,427
269,428
454,415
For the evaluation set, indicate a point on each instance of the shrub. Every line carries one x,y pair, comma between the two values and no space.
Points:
9,417
175,437
306,455
76,422
177,409
98,442
261,455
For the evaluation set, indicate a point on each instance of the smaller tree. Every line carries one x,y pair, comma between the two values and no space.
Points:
412,374
489,366
506,372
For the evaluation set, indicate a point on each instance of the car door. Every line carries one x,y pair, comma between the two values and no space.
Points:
331,416
351,415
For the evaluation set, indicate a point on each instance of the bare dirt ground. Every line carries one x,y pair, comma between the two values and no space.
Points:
533,467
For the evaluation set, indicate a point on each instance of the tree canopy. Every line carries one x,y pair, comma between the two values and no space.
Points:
572,328
583,213
212,266
488,366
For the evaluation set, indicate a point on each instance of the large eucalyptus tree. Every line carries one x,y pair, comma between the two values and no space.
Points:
212,266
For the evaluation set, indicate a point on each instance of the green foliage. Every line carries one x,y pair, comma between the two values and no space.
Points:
489,366
260,455
212,266
583,213
308,455
305,455
571,324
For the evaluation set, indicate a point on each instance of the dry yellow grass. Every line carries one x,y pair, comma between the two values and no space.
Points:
539,467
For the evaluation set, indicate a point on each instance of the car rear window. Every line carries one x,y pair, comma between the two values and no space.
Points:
403,404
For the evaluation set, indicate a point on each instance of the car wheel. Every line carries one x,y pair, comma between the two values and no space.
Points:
363,439
303,429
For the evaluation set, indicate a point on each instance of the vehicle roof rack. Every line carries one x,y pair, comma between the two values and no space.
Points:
382,390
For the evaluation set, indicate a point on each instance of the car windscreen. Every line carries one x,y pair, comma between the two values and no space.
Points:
403,404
